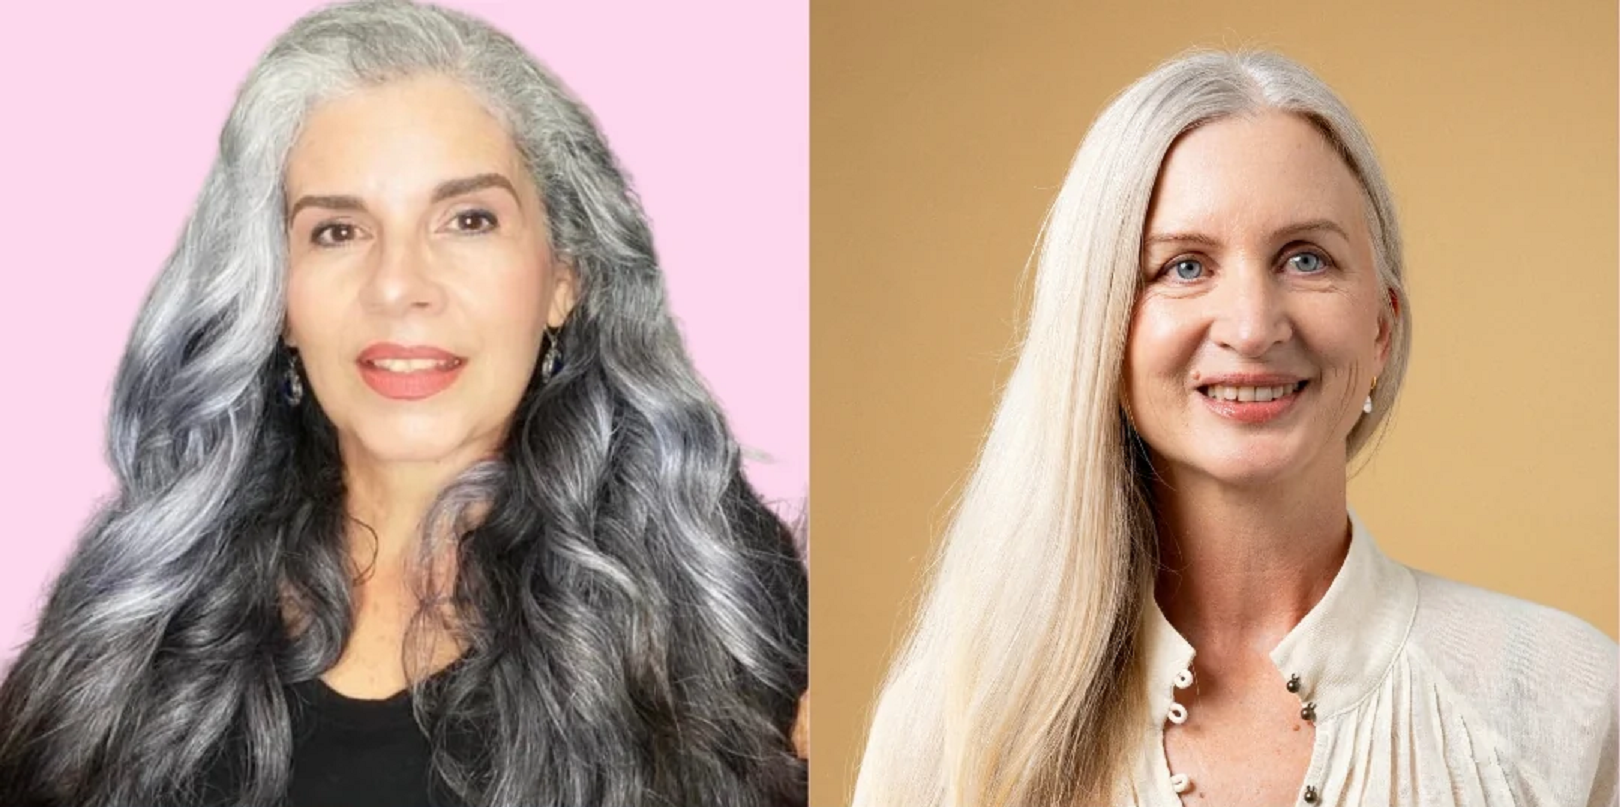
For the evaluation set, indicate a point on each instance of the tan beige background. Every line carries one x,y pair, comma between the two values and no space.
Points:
940,132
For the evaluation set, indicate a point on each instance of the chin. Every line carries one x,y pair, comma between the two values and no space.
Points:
1254,476
410,441
1249,465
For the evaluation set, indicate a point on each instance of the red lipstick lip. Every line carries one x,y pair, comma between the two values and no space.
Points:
414,385
390,350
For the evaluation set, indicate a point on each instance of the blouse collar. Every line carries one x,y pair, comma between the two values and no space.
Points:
1335,656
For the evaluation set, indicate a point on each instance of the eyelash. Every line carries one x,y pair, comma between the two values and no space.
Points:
320,230
1327,263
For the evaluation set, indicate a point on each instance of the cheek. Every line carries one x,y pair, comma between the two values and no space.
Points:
314,313
1161,344
508,308
1341,329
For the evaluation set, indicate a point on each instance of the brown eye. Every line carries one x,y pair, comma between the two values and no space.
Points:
331,235
475,221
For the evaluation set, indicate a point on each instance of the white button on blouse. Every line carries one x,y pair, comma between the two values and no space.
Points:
1177,713
1423,692
1180,783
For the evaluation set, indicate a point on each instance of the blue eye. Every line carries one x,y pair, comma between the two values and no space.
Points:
1187,269
1308,262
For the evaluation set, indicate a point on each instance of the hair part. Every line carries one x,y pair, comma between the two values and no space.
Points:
1020,681
635,616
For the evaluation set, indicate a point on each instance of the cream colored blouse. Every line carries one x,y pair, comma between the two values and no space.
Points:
1423,692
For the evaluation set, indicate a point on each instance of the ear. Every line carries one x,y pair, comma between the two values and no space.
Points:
564,292
1387,318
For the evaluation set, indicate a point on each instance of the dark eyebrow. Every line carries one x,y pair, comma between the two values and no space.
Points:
1301,228
455,187
328,202
447,189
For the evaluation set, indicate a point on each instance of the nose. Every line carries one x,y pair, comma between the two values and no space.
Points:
1250,312
402,279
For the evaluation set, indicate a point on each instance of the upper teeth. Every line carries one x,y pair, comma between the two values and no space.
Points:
1223,392
412,365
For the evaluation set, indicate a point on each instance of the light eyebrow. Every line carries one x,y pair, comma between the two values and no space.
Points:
1290,231
1312,226
1181,238
447,189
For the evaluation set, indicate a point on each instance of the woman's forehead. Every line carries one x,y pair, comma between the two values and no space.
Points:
402,137
1254,173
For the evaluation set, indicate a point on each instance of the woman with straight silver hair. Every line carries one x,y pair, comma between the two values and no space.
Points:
1152,589
419,497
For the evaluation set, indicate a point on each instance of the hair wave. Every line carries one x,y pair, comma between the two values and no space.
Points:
635,617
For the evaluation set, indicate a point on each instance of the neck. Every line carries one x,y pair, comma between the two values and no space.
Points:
388,503
1241,566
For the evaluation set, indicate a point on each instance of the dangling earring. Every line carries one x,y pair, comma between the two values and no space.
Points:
1367,407
292,386
552,359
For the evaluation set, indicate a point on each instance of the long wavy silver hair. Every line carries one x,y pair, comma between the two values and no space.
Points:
635,618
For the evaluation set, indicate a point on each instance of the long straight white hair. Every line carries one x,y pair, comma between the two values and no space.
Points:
1020,682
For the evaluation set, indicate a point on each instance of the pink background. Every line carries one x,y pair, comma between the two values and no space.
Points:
113,116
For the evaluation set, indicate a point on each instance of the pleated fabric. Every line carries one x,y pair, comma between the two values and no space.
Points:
1425,692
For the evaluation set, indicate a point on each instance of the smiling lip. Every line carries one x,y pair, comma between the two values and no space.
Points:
1252,386
408,382
1249,380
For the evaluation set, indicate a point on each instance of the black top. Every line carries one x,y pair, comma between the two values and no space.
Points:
349,752
352,752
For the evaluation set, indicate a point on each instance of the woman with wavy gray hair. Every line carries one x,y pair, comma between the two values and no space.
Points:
419,497
1153,590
